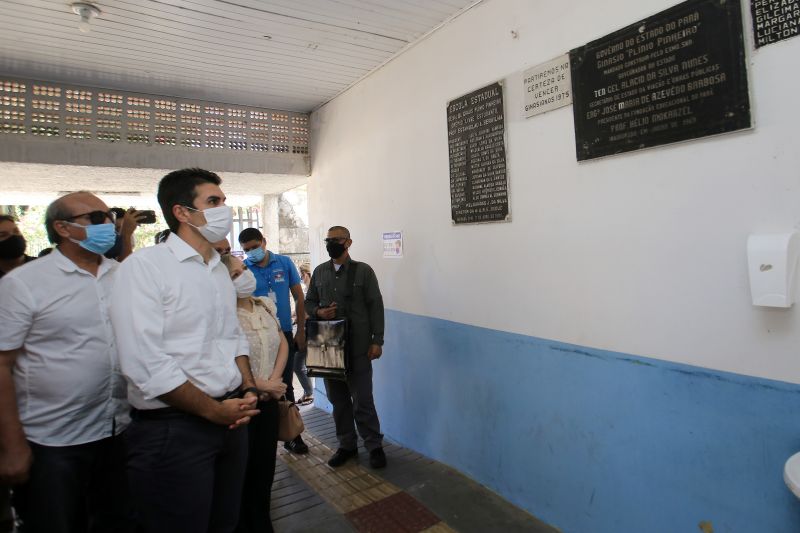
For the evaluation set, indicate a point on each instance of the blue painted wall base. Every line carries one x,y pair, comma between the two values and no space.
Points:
588,440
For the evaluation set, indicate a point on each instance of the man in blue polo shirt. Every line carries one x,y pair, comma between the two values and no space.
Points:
276,278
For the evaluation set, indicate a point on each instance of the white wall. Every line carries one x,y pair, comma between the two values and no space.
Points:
642,253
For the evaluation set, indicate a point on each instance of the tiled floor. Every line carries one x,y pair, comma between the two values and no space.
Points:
413,494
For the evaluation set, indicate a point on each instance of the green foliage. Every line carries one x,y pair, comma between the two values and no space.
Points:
145,234
31,224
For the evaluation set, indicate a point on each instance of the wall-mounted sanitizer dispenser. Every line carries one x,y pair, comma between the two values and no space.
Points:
772,262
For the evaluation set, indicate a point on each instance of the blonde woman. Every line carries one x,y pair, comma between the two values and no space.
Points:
268,354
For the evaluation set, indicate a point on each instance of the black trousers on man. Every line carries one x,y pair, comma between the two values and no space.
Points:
353,407
75,489
6,518
185,473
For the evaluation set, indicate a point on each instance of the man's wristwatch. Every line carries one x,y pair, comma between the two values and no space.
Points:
254,390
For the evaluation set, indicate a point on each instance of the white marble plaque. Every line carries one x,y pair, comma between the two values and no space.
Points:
547,86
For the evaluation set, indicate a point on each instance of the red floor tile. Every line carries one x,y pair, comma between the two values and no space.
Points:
399,513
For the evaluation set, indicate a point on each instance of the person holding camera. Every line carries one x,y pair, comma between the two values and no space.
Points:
125,225
329,298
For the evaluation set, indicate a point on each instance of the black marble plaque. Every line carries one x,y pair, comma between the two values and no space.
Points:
774,20
678,75
476,138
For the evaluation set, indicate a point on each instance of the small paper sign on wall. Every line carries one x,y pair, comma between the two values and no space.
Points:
393,244
547,86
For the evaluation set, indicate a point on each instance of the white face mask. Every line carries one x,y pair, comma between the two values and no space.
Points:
219,221
245,284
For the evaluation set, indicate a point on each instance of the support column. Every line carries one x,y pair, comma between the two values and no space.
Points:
269,221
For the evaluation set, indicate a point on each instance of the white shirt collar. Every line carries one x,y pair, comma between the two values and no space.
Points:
67,265
182,251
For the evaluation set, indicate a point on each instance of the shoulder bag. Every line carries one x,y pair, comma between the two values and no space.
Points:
290,423
327,340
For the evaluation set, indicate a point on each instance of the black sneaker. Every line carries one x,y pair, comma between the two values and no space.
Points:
341,457
377,459
296,446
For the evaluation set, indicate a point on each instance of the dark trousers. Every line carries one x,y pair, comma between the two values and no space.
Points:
288,371
75,489
185,473
6,519
263,439
352,402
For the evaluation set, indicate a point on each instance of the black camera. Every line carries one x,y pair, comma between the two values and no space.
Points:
148,216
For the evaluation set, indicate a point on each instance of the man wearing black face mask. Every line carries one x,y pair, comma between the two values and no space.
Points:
329,297
12,245
12,255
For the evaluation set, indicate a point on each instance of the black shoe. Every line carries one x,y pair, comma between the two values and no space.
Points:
341,457
296,446
377,459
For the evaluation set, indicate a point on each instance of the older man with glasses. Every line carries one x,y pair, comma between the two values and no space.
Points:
345,289
62,399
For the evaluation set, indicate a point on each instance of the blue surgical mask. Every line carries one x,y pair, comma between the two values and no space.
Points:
256,255
99,237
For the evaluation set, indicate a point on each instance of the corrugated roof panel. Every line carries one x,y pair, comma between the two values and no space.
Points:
287,54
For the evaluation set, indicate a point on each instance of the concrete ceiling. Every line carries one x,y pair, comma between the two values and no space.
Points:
282,54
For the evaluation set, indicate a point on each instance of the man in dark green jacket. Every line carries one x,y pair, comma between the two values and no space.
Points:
328,298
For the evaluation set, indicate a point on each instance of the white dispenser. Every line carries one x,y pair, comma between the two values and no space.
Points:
772,261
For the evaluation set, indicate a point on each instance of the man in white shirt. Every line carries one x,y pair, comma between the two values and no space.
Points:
187,365
62,399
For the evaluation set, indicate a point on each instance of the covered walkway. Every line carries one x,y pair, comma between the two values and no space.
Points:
412,494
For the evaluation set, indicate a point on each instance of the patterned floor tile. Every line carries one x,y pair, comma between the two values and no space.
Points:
399,513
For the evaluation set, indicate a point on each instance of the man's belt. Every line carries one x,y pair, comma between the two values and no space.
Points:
173,412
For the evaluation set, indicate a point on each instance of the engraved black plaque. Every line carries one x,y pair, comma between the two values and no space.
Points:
774,20
678,75
476,139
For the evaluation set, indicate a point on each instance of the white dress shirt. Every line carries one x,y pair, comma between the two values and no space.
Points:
174,317
66,376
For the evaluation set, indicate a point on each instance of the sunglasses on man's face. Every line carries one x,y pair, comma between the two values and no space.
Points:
335,239
96,217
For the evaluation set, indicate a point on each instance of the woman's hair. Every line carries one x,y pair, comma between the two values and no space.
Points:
226,260
162,236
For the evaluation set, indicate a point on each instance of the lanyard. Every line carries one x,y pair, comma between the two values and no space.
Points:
267,274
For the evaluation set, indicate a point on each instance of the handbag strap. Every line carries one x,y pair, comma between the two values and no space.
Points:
284,399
